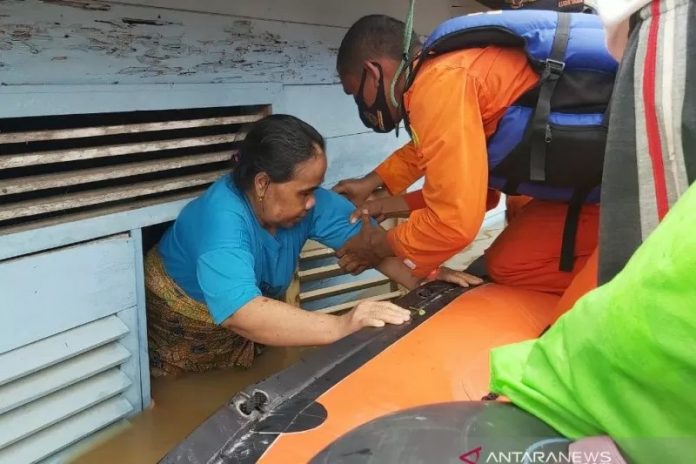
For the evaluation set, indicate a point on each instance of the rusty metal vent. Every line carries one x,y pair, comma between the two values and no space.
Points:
62,168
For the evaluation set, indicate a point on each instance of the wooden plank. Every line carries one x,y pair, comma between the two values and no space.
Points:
355,155
309,103
105,195
342,288
140,330
311,245
53,439
84,176
131,367
51,292
25,421
322,272
351,304
33,236
52,350
201,49
98,131
316,254
316,12
292,294
72,154
52,99
58,376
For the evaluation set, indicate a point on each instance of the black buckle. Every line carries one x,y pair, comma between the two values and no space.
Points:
553,68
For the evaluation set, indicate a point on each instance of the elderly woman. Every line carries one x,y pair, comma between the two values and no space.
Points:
212,280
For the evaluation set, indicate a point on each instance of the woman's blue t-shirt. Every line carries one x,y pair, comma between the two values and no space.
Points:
219,254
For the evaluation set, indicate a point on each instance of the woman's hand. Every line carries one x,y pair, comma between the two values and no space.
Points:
461,278
373,314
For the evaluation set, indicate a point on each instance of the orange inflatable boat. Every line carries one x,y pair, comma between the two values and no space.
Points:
346,402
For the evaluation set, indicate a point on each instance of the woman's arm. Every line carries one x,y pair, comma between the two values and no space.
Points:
275,323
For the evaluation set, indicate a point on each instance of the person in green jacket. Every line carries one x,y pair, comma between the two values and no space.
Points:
622,361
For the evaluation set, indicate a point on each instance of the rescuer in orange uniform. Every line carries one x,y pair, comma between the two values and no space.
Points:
453,107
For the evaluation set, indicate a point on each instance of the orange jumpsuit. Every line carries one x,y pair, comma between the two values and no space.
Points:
454,106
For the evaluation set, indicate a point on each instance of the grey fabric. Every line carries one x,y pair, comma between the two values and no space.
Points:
633,173
619,213
689,111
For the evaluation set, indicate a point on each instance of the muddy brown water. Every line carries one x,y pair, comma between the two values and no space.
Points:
179,405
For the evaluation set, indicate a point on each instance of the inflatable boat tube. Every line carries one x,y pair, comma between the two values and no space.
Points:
370,396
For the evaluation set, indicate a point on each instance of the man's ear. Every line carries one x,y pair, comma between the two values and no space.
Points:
261,182
372,70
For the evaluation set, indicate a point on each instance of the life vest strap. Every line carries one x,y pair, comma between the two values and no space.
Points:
539,128
570,229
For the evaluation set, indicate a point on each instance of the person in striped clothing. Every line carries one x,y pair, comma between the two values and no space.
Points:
621,361
651,148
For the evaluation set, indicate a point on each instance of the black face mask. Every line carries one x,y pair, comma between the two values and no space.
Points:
376,117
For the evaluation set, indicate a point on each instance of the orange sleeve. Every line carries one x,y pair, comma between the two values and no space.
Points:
400,170
448,132
414,200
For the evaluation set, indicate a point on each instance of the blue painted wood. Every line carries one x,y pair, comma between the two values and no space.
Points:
62,375
34,240
96,47
53,350
59,436
353,150
132,367
326,107
50,99
338,299
328,12
51,292
349,156
356,155
141,329
38,415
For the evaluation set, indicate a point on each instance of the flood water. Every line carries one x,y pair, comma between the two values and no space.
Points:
179,405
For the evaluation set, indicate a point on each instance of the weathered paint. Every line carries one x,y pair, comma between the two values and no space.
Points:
179,41
82,46
325,12
73,56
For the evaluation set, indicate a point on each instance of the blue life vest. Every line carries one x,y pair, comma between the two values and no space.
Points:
550,143
573,131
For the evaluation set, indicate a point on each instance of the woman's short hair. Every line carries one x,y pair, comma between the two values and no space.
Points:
275,145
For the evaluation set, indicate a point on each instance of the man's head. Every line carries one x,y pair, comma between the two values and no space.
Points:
368,59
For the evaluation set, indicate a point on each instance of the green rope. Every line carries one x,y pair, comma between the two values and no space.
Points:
406,57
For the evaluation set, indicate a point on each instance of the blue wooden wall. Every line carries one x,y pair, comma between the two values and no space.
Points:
75,56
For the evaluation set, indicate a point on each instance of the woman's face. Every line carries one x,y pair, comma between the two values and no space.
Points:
285,204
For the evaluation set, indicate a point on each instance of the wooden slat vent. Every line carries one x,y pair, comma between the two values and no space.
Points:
322,284
55,391
52,168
